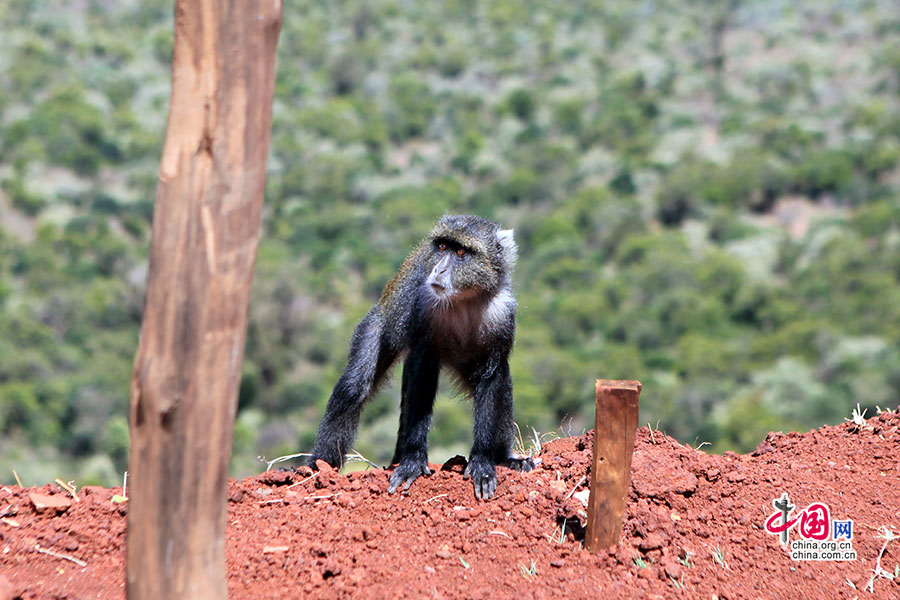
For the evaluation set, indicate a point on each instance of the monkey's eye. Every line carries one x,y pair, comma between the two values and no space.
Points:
461,252
442,247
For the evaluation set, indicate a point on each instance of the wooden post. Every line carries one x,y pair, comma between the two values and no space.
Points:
614,429
204,239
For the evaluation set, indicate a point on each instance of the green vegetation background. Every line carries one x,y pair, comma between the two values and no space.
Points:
705,195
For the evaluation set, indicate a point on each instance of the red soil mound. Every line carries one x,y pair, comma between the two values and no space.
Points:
694,528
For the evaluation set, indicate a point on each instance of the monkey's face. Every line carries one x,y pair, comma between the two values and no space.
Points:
459,272
468,258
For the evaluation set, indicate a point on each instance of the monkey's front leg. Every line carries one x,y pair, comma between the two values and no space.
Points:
420,377
367,365
493,430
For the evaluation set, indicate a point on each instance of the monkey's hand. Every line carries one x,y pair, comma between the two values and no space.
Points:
407,472
484,477
521,463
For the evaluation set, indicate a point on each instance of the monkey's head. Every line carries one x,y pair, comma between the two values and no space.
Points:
468,257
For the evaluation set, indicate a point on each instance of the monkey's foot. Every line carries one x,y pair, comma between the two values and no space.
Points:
316,462
407,472
325,451
484,477
521,463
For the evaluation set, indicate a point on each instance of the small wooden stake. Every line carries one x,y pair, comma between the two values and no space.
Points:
614,429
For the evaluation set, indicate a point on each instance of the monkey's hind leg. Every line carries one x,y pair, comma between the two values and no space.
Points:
420,378
521,463
370,359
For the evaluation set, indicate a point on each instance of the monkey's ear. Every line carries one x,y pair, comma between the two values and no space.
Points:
505,236
508,247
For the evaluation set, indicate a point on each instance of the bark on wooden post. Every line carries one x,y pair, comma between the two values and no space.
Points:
614,429
205,232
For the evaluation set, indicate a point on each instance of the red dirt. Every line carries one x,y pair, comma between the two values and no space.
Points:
294,536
